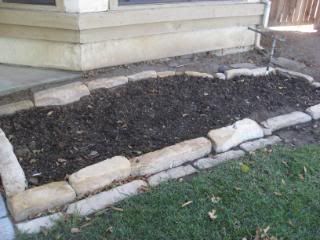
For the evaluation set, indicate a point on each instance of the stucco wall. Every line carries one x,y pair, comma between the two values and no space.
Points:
84,41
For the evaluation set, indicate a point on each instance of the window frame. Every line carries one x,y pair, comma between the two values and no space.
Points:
114,4
25,6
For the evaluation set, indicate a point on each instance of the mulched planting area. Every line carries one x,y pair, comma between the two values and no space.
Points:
140,117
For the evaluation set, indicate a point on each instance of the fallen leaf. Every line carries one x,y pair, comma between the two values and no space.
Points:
215,199
33,161
117,209
301,177
244,168
212,215
61,160
186,204
75,230
266,230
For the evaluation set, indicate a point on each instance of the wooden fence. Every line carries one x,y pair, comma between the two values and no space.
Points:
294,12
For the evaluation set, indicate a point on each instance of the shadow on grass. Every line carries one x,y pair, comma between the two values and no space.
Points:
277,190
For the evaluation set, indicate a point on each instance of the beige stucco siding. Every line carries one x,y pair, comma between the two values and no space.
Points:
84,41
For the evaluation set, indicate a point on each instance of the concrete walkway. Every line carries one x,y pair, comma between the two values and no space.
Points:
6,226
17,78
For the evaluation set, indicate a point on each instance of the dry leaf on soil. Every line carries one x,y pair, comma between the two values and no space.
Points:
186,204
212,215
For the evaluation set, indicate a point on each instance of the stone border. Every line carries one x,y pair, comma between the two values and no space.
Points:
73,92
172,162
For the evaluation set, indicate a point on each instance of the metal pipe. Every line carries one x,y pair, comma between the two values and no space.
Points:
274,43
267,11
265,22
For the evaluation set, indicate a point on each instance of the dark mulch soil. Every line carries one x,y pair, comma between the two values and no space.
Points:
140,118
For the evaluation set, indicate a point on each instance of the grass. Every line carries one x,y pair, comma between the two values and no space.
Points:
277,192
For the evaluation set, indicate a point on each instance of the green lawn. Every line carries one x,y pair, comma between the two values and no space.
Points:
278,190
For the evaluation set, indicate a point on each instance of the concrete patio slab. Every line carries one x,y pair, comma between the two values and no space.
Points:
3,208
18,78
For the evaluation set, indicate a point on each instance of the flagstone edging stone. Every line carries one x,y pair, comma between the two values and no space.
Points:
11,173
260,143
14,107
314,112
286,120
170,157
174,173
100,175
40,199
105,199
73,92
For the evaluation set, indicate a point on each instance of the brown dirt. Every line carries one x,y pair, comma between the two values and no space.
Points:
142,117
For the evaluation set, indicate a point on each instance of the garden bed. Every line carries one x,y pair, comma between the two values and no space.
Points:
140,117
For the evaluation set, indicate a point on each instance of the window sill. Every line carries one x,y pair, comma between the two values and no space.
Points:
57,7
114,4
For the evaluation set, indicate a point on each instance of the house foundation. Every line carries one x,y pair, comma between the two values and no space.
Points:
82,35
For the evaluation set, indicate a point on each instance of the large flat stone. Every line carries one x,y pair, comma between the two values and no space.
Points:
218,159
198,74
262,71
220,76
61,95
142,76
228,137
166,74
36,225
256,72
3,208
170,157
314,112
261,143
286,120
173,173
233,73
15,107
106,199
305,77
315,84
37,200
12,175
6,229
100,175
17,78
288,63
107,82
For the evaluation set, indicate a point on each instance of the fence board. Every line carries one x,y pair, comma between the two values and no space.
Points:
294,12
